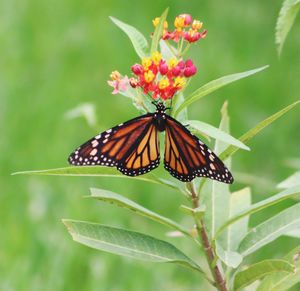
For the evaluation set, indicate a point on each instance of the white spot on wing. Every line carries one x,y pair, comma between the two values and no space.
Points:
93,152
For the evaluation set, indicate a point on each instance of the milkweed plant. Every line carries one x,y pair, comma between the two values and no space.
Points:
220,227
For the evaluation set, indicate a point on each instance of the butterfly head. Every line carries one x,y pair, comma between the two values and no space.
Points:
160,108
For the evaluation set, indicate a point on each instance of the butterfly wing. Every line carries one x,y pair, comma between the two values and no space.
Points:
186,157
132,147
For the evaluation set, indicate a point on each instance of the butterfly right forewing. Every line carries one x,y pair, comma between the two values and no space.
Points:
186,157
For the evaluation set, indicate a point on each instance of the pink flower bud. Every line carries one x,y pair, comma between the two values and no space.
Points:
176,71
190,71
137,69
133,82
187,19
181,65
189,63
163,68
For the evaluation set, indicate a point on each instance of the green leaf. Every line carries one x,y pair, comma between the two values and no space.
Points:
158,31
260,205
127,243
295,233
215,85
167,51
291,181
245,138
116,199
236,232
271,229
138,40
283,281
98,171
239,201
217,196
183,115
259,271
216,133
230,258
286,18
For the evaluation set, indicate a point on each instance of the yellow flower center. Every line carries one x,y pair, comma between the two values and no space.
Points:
192,32
163,84
197,24
156,22
146,63
173,62
149,76
179,22
156,57
179,82
115,75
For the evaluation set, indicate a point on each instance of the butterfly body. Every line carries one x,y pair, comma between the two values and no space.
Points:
133,147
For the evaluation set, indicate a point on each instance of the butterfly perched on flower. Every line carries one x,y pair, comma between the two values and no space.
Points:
133,148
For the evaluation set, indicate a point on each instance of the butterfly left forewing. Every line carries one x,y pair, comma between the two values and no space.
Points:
111,147
187,157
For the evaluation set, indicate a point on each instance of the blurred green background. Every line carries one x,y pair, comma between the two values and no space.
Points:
58,54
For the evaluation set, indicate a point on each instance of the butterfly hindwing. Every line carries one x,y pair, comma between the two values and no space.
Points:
186,157
144,155
132,147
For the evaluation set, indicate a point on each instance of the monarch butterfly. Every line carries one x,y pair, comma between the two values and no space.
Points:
133,147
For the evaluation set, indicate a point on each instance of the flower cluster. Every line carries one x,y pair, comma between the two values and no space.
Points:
184,28
161,78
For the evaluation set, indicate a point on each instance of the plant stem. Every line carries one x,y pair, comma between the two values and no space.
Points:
185,49
210,255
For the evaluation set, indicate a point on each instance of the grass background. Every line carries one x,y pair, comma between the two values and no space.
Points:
55,55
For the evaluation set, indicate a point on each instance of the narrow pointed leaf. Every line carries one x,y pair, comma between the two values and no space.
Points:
215,85
167,51
271,229
291,181
239,201
138,40
255,130
98,171
158,31
183,115
260,205
216,133
216,198
286,18
116,199
259,271
295,233
230,258
127,243
283,281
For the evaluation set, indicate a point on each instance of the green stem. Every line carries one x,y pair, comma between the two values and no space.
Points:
180,48
220,282
185,49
